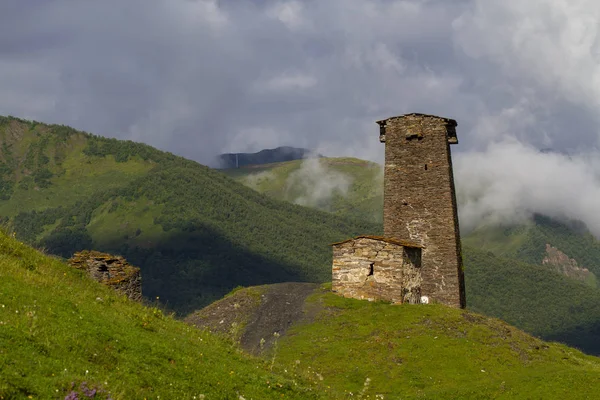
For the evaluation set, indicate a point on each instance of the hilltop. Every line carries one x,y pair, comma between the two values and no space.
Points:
62,333
372,349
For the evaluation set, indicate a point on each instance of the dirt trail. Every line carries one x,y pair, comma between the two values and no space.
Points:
262,311
281,305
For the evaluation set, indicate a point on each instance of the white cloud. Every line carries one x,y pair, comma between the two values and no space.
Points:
509,181
290,13
315,185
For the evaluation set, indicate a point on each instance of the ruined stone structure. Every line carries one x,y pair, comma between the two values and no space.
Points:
112,271
377,268
419,206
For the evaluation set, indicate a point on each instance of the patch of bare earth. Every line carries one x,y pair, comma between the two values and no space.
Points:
256,315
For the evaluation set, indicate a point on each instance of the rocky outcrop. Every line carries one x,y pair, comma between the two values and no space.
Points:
562,264
112,271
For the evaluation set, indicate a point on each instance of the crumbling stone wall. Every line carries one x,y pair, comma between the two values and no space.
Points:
420,201
112,271
377,268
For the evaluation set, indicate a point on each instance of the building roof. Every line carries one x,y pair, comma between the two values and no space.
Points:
447,120
399,242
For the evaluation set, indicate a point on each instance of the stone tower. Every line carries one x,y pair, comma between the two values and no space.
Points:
420,201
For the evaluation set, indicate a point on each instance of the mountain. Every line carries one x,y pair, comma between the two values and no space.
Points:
343,186
195,233
279,154
63,335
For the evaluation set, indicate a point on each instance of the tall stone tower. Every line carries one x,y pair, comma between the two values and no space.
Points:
420,201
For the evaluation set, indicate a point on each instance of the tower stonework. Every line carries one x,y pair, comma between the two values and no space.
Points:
420,200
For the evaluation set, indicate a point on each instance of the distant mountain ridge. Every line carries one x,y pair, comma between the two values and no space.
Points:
267,156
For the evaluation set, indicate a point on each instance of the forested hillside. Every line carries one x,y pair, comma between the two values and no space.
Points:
195,233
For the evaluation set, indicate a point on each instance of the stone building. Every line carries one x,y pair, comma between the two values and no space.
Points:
377,268
420,202
112,271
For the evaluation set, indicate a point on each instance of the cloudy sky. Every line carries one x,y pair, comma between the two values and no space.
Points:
201,77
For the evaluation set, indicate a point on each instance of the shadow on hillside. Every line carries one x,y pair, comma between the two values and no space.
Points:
584,338
191,269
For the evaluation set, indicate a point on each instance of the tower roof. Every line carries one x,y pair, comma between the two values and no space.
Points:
449,121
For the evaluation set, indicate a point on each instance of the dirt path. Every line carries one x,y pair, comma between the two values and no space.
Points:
281,305
262,311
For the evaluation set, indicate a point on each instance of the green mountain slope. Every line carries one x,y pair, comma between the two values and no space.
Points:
344,186
361,349
195,233
527,242
363,199
61,333
534,299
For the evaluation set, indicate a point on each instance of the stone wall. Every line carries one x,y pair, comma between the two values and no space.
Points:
112,271
377,268
420,202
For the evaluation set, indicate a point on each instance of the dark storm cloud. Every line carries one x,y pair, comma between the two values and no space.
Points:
202,77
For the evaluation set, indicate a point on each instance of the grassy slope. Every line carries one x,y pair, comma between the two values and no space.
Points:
361,349
58,328
195,233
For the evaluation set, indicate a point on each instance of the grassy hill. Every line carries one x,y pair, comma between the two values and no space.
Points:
195,233
65,336
361,349
61,333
